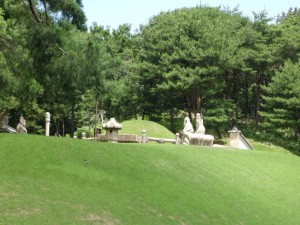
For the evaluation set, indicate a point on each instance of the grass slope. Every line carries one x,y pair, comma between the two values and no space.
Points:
45,181
153,129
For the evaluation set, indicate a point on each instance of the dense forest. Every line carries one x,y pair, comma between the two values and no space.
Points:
232,69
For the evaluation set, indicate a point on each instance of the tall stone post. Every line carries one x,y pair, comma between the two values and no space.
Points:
47,120
177,138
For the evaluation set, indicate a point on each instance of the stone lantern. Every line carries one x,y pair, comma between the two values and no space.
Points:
112,127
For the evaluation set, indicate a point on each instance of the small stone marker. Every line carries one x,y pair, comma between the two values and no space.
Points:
144,137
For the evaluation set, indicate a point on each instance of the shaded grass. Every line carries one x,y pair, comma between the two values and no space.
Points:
45,181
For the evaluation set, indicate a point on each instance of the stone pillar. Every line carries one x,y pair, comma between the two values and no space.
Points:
83,135
177,139
144,137
47,120
234,136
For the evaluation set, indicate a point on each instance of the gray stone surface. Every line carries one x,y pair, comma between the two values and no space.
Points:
126,138
47,124
200,129
112,127
4,122
237,140
188,136
21,127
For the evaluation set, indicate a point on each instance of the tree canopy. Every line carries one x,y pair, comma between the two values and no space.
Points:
203,59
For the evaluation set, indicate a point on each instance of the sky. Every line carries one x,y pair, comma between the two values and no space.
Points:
113,13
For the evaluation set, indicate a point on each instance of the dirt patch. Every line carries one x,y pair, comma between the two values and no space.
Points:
24,212
105,218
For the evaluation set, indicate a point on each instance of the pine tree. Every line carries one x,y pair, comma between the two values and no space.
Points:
282,100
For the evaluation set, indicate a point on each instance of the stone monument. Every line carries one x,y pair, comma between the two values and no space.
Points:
47,126
187,131
188,136
21,127
237,140
200,129
4,122
5,127
112,127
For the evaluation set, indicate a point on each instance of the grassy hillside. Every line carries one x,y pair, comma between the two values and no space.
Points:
45,181
153,129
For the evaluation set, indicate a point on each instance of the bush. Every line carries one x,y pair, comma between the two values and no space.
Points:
88,131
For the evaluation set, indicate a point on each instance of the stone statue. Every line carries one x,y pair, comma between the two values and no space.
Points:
200,129
187,129
4,122
187,125
188,136
21,127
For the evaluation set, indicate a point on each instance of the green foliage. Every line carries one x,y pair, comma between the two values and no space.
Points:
186,59
46,181
200,59
282,100
89,132
289,25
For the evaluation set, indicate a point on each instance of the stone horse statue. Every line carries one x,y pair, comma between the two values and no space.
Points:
21,127
188,136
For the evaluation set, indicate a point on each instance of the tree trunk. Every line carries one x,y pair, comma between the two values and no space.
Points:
63,126
172,121
189,106
296,134
257,100
246,108
72,120
198,104
96,115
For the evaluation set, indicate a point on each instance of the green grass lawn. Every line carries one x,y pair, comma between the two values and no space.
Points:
44,180
153,129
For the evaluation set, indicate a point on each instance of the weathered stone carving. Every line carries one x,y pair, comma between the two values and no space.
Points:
188,136
5,127
200,129
21,127
4,122
187,131
112,127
